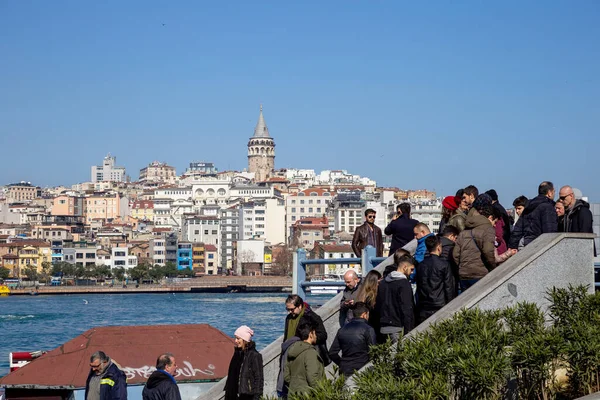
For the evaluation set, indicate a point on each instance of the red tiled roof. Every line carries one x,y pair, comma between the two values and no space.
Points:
143,204
209,247
25,243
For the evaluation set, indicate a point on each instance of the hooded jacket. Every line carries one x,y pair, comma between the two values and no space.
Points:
161,386
402,231
282,387
395,303
458,220
303,368
113,385
435,283
320,331
353,340
474,251
538,217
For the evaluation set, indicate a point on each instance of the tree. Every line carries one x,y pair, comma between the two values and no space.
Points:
187,272
170,270
119,273
283,260
31,272
157,272
139,272
102,271
46,269
4,273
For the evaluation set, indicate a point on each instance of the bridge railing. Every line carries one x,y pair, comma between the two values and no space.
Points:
368,261
597,275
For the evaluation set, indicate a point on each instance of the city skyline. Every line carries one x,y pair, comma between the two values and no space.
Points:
507,93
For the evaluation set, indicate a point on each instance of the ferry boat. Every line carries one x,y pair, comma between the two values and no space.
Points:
4,291
333,289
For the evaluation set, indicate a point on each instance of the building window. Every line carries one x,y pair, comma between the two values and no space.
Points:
211,256
206,231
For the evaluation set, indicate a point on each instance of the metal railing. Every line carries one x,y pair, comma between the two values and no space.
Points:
597,275
368,261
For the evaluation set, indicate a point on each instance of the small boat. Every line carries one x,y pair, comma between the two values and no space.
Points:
4,291
325,289
18,359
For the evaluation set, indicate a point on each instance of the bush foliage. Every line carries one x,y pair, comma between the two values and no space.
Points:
515,353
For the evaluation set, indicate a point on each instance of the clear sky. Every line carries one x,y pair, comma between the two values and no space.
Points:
437,96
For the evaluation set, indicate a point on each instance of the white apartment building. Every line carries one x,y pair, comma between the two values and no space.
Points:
108,171
120,257
158,250
263,220
210,191
202,229
229,235
428,213
348,210
171,213
249,192
311,202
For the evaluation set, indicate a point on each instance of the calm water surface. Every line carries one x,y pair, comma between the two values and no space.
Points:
29,323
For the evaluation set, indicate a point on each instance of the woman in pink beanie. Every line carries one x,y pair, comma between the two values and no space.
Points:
245,379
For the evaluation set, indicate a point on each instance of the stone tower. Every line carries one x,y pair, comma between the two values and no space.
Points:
261,151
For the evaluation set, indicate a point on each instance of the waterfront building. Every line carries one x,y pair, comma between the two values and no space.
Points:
141,250
108,171
330,251
143,210
158,250
310,202
68,205
29,252
230,224
198,257
184,255
157,172
171,247
307,230
250,257
22,191
120,257
261,151
211,260
85,253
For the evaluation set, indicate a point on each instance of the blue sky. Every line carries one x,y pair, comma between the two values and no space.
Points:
434,96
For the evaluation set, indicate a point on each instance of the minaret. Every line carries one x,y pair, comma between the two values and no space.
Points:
261,151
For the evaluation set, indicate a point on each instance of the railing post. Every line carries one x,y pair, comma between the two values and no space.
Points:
366,262
299,273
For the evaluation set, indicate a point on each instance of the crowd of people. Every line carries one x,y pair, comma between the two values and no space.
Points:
476,235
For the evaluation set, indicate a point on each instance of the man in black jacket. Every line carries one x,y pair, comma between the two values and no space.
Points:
401,228
297,310
578,217
395,302
435,282
105,381
161,385
538,217
353,340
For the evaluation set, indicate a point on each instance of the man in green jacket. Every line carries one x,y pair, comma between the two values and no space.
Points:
304,366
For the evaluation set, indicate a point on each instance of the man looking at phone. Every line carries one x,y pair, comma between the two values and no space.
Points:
401,227
349,296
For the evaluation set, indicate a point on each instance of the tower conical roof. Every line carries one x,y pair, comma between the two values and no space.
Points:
261,130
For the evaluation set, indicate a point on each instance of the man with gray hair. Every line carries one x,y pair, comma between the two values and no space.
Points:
578,217
106,381
162,385
352,282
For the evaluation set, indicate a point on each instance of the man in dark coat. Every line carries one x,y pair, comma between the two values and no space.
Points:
578,216
368,234
105,381
395,302
349,294
435,281
297,311
353,340
401,228
538,217
162,385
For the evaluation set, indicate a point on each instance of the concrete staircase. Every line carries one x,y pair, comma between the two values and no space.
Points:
552,260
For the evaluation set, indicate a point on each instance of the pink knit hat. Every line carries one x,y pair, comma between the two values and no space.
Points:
244,333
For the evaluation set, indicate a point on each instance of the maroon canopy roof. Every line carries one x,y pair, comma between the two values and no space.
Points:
202,353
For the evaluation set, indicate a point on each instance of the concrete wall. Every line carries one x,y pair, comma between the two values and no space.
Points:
552,260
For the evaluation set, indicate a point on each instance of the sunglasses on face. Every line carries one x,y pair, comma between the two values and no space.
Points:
370,216
561,198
